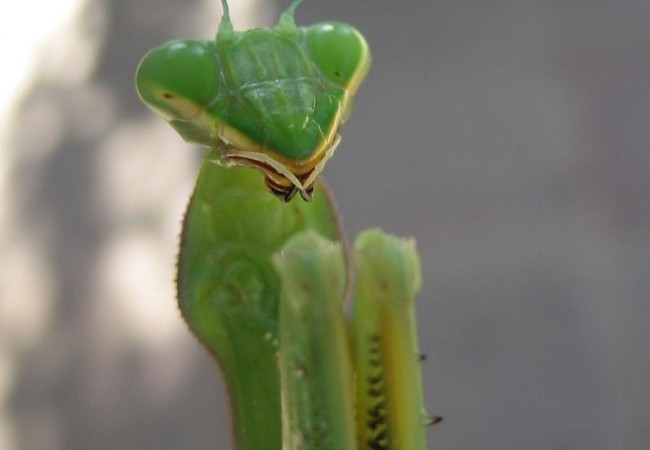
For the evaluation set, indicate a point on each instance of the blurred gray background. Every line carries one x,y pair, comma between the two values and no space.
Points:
511,138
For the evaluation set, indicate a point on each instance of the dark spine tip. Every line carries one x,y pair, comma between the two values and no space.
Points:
435,420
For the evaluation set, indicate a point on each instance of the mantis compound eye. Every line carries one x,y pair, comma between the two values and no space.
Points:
340,52
178,79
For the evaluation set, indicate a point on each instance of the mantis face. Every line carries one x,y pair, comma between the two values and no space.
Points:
272,99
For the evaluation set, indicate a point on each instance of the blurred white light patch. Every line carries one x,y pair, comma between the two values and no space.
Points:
25,27
144,176
25,295
144,168
137,285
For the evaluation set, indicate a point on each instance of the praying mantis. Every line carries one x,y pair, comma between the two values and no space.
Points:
262,282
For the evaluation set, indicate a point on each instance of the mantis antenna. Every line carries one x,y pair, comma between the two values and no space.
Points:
226,25
287,19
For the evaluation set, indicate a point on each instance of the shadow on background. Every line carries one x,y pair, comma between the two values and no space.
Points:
510,138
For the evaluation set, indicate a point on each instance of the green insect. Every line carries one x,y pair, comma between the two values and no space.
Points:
262,283
273,99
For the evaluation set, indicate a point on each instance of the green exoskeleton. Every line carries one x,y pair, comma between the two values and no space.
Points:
273,99
229,292
314,357
390,409
262,283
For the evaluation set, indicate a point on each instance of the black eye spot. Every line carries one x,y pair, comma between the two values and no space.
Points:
167,95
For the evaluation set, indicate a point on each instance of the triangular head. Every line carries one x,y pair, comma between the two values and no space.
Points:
270,98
